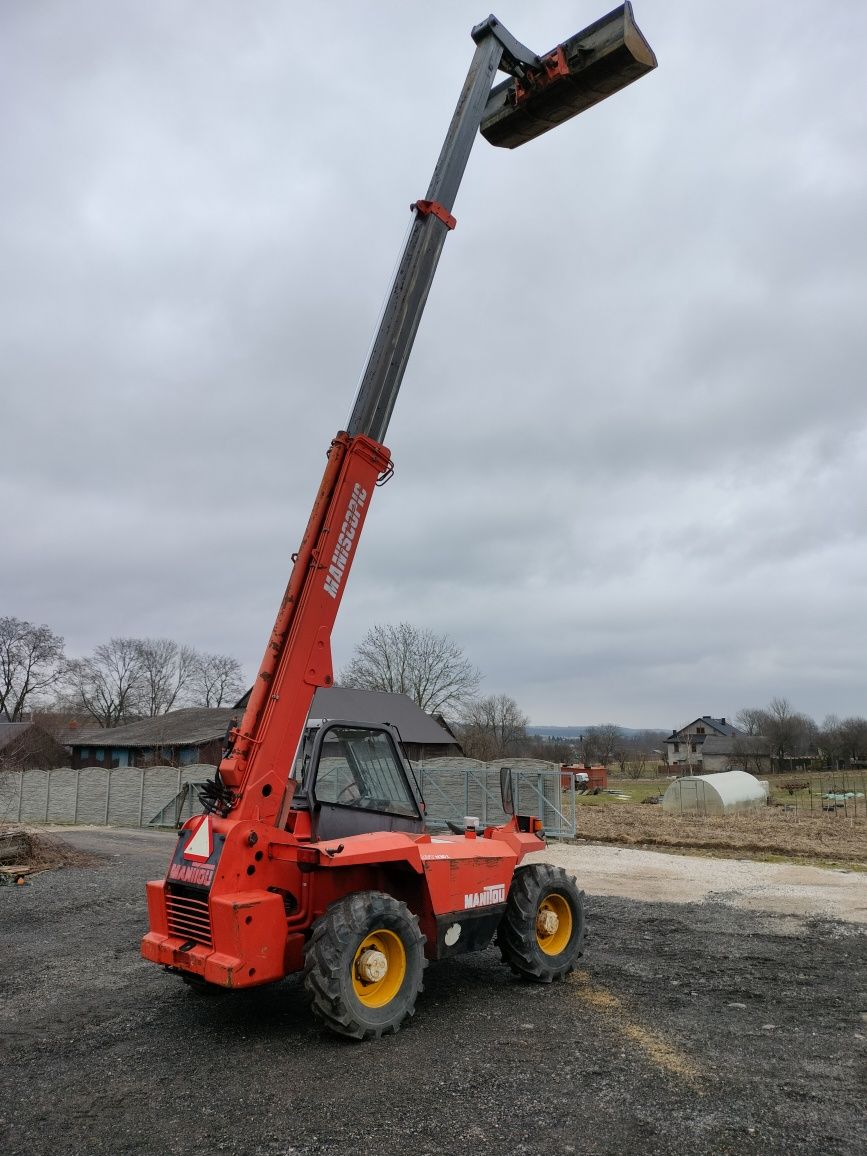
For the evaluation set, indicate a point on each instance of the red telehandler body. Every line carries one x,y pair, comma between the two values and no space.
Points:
312,852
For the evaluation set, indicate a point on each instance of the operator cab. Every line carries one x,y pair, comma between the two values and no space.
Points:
354,779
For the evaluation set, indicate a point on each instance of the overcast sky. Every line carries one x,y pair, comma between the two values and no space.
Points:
631,447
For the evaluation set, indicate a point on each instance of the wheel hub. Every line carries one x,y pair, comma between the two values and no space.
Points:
547,922
554,923
371,966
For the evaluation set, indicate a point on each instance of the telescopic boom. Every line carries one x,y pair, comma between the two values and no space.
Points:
540,93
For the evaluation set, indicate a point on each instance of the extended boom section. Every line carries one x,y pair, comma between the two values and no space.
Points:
298,657
313,852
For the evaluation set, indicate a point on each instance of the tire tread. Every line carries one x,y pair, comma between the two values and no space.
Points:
516,935
328,959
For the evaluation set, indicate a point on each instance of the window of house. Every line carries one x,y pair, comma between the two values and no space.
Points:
677,748
693,747
699,730
84,752
120,758
99,754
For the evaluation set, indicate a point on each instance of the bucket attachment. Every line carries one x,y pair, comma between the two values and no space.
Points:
578,73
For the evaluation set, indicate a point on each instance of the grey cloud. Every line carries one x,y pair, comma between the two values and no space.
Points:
631,441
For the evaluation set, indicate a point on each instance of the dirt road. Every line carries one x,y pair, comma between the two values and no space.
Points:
692,1027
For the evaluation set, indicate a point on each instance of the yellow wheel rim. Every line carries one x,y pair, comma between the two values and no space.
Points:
553,924
380,954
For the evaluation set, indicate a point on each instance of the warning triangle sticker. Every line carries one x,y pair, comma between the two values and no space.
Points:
200,846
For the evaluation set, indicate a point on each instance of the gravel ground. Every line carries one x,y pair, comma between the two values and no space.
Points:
783,888
693,1027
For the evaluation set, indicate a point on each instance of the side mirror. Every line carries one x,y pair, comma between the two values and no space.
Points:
507,790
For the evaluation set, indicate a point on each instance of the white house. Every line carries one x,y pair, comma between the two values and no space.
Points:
684,746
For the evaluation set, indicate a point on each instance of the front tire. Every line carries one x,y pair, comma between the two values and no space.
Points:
363,965
541,933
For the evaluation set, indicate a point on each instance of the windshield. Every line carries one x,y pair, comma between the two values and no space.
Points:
359,767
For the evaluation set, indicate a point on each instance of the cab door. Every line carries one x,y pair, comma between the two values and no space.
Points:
360,783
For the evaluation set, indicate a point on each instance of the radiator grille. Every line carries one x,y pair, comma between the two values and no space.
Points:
188,916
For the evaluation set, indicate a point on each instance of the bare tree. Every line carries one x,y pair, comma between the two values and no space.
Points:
853,739
751,752
31,661
493,728
634,751
622,754
750,720
640,755
831,743
786,733
598,744
129,678
216,679
166,671
790,734
110,683
548,748
404,659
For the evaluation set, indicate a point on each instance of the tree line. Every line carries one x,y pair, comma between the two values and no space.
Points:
434,672
122,680
126,679
781,734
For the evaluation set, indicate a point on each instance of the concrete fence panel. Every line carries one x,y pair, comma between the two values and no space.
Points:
161,786
164,796
10,796
61,790
91,795
124,797
34,796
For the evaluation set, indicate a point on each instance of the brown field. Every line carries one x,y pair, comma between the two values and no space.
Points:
768,831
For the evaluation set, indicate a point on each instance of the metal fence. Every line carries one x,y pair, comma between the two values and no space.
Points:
454,788
841,793
165,796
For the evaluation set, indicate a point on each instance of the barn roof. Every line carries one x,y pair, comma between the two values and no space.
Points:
195,725
12,730
186,727
340,702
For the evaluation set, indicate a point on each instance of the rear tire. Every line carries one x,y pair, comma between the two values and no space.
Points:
363,965
541,933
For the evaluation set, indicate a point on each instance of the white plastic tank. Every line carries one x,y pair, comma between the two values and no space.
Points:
719,794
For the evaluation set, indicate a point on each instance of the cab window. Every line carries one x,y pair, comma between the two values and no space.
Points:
360,768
